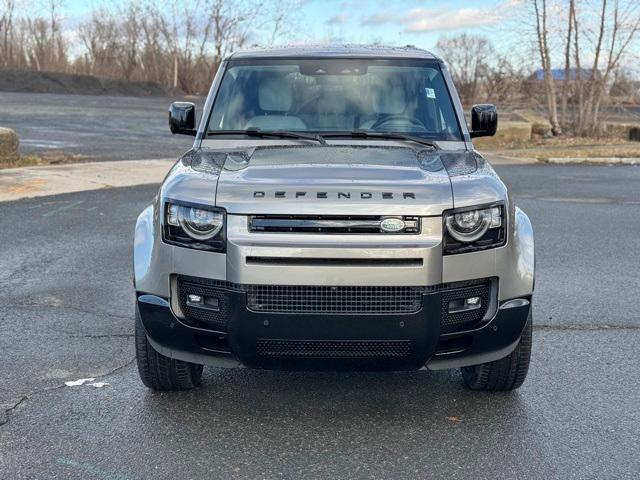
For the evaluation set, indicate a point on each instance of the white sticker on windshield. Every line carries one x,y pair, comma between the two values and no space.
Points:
431,93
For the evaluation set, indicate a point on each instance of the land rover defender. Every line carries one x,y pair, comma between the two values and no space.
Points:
333,214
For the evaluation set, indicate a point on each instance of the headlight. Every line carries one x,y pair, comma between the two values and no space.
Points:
472,229
195,226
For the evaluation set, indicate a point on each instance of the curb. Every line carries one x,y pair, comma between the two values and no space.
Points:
593,160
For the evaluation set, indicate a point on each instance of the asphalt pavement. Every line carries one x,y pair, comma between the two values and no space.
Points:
94,127
66,306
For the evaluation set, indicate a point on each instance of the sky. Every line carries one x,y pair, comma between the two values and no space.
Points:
415,22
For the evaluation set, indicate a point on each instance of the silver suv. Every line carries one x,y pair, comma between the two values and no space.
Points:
333,214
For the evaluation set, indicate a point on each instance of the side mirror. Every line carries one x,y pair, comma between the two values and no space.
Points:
484,120
182,118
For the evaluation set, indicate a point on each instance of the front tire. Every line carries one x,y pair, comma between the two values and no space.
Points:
160,372
505,374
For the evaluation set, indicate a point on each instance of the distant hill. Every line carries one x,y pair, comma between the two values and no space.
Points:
54,82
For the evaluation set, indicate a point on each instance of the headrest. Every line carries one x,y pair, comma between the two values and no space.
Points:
389,99
275,94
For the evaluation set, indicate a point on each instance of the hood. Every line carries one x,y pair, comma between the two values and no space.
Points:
334,180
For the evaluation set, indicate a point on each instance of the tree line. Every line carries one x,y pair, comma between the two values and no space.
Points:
178,45
579,53
579,47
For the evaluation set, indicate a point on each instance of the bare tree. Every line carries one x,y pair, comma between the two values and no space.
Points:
467,57
43,45
7,33
618,25
503,81
597,39
567,60
542,34
100,37
129,30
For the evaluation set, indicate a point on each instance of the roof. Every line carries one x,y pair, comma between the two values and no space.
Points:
558,74
335,51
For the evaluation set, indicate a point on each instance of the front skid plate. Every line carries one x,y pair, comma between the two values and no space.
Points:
421,329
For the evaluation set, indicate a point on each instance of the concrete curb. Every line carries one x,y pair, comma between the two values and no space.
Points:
28,182
593,160
502,159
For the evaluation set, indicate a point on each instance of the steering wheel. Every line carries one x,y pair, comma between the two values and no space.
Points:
306,103
414,122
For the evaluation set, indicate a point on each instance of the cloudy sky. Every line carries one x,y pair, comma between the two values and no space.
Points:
416,22
409,21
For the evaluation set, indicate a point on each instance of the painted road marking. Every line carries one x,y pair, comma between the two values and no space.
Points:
94,470
63,208
77,383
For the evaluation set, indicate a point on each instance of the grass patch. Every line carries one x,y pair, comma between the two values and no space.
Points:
543,149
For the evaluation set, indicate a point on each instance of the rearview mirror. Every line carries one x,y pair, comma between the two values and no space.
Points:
484,120
182,118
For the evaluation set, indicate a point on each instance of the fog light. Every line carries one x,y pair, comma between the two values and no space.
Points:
205,303
472,301
194,299
465,304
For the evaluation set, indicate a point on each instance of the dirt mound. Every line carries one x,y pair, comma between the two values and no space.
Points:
53,82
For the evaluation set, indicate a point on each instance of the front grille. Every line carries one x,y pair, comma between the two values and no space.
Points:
458,321
346,224
321,299
332,300
348,349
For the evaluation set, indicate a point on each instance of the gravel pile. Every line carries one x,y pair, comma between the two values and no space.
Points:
53,82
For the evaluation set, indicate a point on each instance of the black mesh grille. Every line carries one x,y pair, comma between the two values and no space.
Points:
456,321
333,348
205,317
320,299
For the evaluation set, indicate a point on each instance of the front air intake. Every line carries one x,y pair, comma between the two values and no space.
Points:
339,349
323,299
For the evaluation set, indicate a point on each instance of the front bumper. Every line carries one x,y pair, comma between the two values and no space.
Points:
389,341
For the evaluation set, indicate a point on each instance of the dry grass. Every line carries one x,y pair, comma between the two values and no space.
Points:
568,147
51,157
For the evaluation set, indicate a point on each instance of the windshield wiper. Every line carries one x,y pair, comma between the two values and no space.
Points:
256,132
390,135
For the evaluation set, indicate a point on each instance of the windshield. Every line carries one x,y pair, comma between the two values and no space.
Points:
336,95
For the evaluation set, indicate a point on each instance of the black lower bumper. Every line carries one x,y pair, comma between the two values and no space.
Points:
406,341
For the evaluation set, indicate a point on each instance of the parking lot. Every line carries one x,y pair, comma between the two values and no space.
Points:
94,128
66,313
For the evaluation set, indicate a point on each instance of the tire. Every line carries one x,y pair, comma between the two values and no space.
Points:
505,374
159,372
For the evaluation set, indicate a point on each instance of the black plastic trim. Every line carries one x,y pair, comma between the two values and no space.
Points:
422,329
